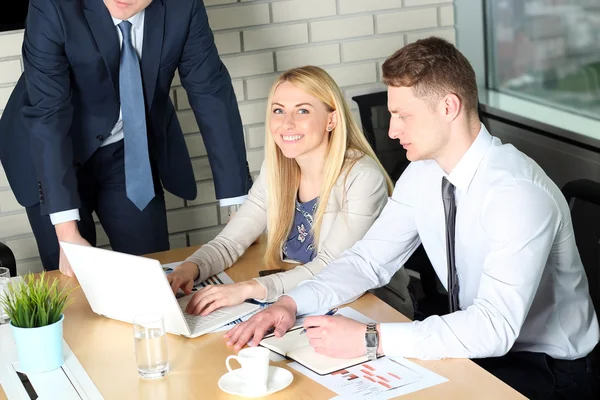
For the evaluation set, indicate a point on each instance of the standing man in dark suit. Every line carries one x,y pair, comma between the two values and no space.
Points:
90,125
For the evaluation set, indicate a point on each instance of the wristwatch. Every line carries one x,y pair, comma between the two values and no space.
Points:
372,340
232,209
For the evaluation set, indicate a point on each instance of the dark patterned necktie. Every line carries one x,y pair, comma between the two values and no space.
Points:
450,212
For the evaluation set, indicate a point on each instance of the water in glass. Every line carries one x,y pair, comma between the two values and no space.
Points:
151,347
4,281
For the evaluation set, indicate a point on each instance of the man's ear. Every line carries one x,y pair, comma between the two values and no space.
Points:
451,105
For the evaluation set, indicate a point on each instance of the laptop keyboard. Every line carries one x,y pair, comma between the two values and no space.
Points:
202,324
197,322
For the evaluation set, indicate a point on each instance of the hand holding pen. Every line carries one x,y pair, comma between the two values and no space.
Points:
330,312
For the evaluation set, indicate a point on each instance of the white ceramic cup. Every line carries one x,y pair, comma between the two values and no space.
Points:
255,367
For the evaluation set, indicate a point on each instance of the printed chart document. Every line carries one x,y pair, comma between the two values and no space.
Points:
380,379
297,347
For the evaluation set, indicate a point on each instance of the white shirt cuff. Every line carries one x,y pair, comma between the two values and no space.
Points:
64,216
231,201
398,339
305,299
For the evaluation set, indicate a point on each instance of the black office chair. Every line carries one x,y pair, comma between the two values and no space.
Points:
583,196
7,259
375,118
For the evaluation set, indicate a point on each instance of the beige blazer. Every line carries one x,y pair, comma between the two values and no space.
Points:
346,220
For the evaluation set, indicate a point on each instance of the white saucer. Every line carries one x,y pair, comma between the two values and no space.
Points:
279,378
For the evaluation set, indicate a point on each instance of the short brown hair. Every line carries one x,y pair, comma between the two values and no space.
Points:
433,67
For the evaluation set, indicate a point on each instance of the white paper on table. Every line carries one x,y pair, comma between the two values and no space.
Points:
414,377
352,384
364,381
218,279
429,379
168,268
65,383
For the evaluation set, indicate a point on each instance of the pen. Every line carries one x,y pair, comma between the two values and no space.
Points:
330,312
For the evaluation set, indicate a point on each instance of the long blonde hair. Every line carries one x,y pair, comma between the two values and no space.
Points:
283,174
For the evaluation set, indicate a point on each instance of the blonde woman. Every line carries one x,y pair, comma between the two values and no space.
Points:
319,190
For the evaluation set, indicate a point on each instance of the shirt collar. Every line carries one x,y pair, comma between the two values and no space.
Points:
135,20
463,173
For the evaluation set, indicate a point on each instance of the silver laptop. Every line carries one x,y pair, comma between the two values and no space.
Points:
120,286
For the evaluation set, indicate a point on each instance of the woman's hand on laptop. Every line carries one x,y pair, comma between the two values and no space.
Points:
183,277
211,297
281,316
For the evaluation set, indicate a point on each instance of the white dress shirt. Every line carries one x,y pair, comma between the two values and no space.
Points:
116,134
522,283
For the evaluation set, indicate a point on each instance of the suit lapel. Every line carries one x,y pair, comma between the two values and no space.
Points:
105,35
154,24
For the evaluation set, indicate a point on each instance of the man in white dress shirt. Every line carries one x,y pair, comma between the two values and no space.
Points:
518,290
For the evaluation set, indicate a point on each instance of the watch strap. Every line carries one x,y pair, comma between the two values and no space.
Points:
372,340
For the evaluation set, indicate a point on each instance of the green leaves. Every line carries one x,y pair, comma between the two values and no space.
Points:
33,303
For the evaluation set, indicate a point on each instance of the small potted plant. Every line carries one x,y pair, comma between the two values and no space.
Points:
35,308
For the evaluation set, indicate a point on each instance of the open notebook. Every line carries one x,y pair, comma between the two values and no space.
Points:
297,347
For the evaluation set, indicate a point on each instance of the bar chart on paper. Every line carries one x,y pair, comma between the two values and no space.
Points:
367,380
377,378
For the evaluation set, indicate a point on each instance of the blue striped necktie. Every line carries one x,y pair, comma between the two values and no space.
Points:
138,174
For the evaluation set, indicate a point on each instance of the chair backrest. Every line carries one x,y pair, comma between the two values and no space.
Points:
7,259
583,196
375,120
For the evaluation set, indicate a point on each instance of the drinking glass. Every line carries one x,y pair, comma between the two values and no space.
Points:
4,281
150,346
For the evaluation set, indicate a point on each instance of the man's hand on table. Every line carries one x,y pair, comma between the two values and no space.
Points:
281,315
336,336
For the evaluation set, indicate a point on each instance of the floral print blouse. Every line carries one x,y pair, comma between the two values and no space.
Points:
299,245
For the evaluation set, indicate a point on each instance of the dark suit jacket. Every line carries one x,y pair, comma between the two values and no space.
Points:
67,101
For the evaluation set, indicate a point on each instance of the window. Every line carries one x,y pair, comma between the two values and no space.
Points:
547,51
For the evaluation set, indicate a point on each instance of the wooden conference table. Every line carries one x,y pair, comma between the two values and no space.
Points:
105,349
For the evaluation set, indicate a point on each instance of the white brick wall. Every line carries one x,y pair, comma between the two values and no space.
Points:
4,95
249,64
228,42
293,10
275,36
407,19
356,6
10,43
342,28
10,70
258,88
315,55
257,39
